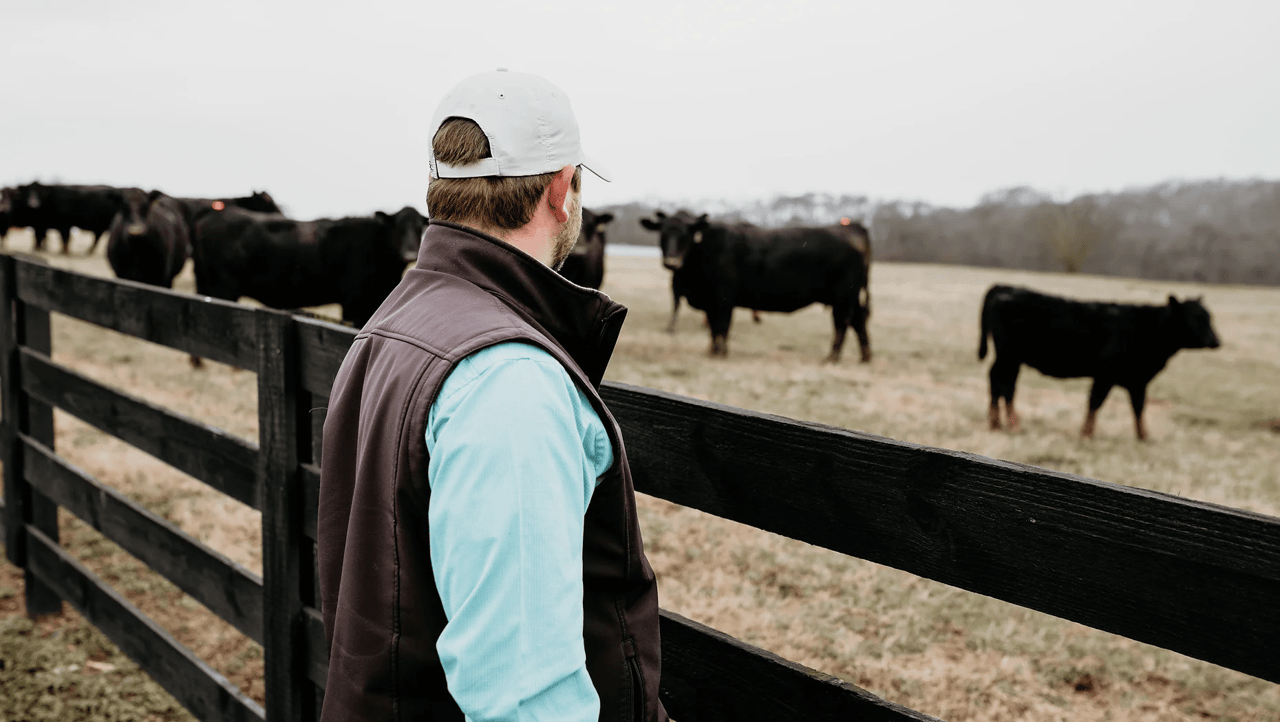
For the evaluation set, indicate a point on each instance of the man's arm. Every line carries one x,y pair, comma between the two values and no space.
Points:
515,454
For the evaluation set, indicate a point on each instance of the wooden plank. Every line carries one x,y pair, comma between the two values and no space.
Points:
319,409
225,462
214,329
317,650
310,477
22,324
1196,578
36,417
197,686
321,348
10,453
278,415
709,675
226,588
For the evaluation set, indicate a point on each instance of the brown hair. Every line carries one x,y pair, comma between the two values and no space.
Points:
505,203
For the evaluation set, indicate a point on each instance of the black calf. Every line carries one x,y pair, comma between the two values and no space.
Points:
1116,344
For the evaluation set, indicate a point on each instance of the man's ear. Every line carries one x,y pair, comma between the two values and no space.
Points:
558,191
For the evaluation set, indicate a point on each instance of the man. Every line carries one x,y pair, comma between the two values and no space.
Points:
479,550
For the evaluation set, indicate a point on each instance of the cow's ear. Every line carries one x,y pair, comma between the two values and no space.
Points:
153,195
1173,301
382,217
651,225
660,215
701,222
604,218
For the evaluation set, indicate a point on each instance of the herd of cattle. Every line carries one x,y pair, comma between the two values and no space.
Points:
248,247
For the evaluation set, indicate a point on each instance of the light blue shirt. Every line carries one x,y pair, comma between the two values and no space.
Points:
516,452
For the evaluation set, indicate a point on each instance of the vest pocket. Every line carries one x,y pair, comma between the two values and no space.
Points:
635,682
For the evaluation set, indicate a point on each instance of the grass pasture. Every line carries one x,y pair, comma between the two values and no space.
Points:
949,653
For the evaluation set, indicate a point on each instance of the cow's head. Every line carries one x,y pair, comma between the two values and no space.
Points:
591,236
406,231
1192,326
31,195
134,207
676,234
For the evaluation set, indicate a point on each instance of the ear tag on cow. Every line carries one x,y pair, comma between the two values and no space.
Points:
697,237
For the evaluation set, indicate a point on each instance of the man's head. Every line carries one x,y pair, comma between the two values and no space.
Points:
506,160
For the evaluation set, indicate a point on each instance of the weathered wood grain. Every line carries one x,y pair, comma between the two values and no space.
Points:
10,454
226,588
310,476
288,695
214,329
1196,578
197,686
321,348
217,458
317,650
22,324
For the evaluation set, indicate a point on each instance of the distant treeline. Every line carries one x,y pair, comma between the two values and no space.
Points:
1212,231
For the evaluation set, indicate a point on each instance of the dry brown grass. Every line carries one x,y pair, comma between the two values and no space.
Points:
952,654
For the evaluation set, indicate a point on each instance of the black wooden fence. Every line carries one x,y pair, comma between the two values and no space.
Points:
1196,578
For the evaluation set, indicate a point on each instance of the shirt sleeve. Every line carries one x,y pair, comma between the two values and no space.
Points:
515,454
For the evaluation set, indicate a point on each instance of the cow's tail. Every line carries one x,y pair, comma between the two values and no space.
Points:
988,309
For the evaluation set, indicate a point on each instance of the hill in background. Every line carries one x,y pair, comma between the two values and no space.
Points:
1216,231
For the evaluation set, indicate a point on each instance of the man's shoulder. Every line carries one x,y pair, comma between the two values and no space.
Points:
512,359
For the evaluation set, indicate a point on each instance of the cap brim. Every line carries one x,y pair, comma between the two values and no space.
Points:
595,167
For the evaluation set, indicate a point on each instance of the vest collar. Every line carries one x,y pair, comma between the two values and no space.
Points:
582,321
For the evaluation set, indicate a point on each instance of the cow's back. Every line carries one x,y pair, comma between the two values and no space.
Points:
787,269
1061,337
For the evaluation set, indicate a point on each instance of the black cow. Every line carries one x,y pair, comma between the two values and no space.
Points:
62,207
194,208
1116,344
285,263
719,267
585,263
149,240
680,281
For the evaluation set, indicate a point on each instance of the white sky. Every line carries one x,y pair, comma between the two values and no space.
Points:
326,104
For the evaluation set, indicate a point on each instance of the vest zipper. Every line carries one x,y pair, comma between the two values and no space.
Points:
636,680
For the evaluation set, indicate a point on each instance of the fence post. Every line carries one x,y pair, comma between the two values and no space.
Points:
24,325
281,515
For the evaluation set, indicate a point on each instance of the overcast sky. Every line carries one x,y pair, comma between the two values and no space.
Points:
326,105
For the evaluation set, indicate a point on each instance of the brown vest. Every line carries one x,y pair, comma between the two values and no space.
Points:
382,611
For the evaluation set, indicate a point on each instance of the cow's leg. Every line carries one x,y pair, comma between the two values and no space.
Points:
719,320
1004,379
1097,395
858,319
755,315
839,318
1138,398
94,246
66,240
41,232
675,308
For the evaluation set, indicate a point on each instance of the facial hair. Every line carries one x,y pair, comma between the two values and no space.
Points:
568,234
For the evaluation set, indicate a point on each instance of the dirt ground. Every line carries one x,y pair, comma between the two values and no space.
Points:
949,653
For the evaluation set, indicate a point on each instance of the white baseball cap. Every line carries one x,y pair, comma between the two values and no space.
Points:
528,121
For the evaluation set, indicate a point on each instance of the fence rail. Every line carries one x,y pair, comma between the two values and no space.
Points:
1193,577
